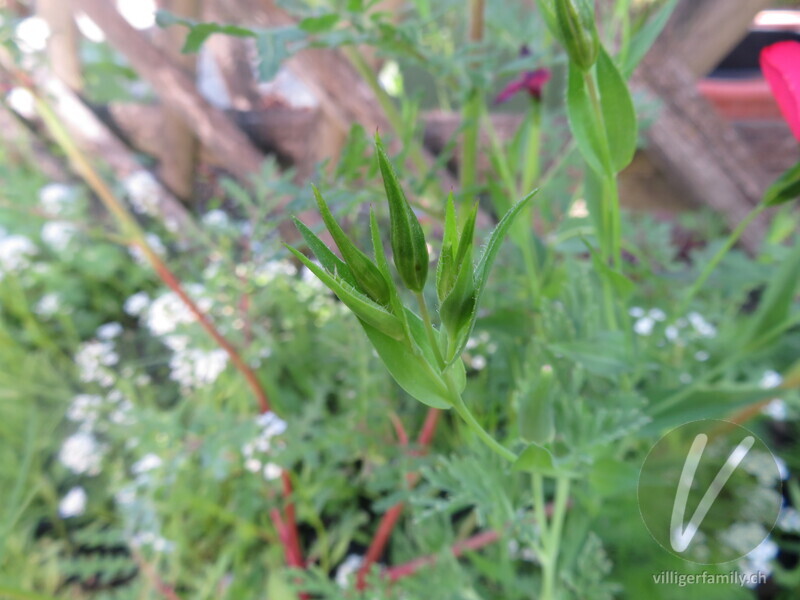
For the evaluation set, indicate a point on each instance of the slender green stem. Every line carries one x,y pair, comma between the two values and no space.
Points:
538,507
709,267
530,169
431,332
550,566
463,411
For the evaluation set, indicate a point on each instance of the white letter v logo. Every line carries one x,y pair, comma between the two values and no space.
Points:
679,537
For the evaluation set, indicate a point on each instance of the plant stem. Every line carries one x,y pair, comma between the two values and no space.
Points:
426,318
550,566
714,262
464,412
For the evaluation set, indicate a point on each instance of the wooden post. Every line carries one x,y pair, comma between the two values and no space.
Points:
212,127
63,45
702,32
179,158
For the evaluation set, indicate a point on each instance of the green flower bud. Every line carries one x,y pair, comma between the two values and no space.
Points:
369,278
535,405
578,31
408,241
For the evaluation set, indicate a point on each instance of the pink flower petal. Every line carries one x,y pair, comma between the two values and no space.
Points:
780,64
510,89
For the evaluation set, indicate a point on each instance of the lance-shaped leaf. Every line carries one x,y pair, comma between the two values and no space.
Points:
407,238
583,123
332,263
445,268
619,114
364,308
482,271
369,278
785,188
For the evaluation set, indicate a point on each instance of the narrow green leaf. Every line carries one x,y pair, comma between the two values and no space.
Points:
776,302
623,286
319,24
606,355
646,36
332,263
619,114
583,124
785,188
361,305
370,280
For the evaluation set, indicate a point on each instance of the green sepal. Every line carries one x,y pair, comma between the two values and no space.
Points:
576,23
406,235
785,188
364,308
482,271
369,278
411,369
536,408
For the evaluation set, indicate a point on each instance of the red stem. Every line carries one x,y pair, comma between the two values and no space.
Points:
476,542
172,282
391,516
291,522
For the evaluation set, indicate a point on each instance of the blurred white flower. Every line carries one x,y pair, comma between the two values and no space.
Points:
141,14
48,305
93,357
136,304
109,331
671,332
271,424
701,326
636,312
81,454
85,409
89,28
196,368
143,192
770,379
272,471
478,362
55,198
776,409
147,463
156,245
148,539
253,465
22,102
347,569
31,34
58,234
216,219
657,314
273,269
73,504
789,520
758,562
15,252
168,311
644,325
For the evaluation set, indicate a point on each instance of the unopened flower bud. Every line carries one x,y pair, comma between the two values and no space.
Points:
578,32
406,235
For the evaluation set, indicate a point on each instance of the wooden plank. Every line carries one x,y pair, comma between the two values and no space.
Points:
176,90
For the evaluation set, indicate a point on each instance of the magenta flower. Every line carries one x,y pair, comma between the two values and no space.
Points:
530,81
780,64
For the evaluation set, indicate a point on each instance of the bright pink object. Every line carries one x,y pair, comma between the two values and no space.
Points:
780,64
530,81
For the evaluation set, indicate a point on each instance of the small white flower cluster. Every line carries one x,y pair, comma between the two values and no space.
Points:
693,325
48,305
156,245
194,368
57,199
143,192
86,410
255,452
646,320
479,347
94,359
82,454
776,408
16,252
58,234
347,570
758,561
73,504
